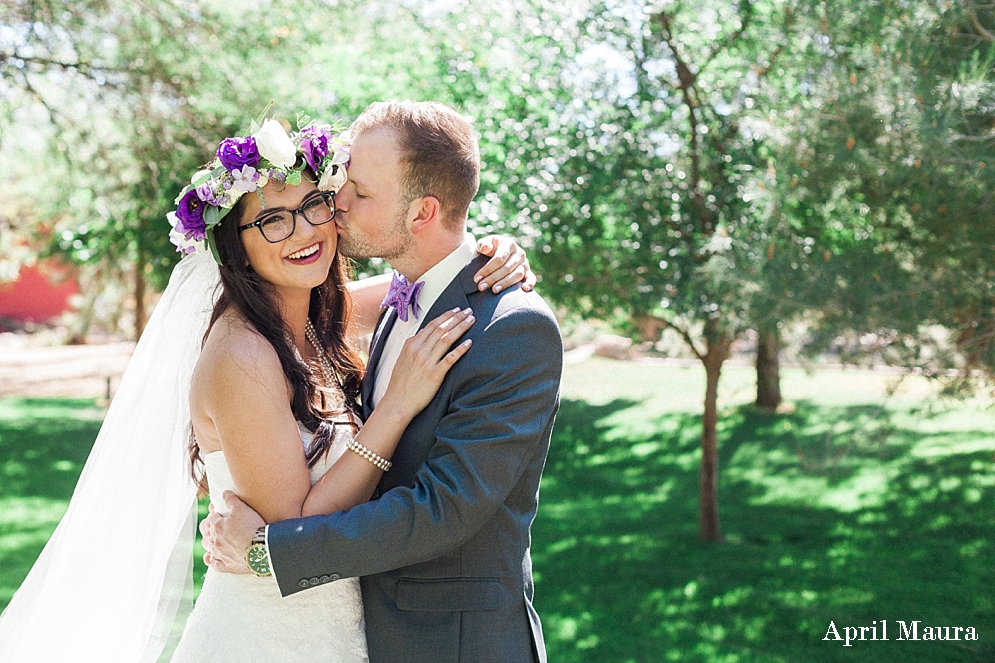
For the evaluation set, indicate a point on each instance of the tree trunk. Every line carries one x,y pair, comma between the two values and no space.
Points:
708,523
768,369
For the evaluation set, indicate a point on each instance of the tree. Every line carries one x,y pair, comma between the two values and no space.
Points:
886,173
137,94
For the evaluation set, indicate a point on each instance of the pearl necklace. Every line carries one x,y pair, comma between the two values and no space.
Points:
328,373
326,366
376,459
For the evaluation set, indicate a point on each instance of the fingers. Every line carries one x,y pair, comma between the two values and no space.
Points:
500,271
517,275
530,279
487,245
506,255
231,499
453,355
431,344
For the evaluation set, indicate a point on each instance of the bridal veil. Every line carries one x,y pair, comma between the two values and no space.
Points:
114,582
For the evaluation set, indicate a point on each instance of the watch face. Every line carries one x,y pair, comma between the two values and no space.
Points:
258,559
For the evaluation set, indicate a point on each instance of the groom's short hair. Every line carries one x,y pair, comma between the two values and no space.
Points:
439,152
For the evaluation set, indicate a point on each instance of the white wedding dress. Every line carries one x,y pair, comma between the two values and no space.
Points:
240,618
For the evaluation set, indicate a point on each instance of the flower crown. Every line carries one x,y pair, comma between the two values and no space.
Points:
244,165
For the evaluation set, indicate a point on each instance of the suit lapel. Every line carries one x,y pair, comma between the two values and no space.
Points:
419,436
384,325
454,296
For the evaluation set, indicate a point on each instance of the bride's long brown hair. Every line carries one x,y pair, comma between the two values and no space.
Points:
319,407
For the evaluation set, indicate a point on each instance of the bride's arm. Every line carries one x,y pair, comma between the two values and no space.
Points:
508,265
239,390
417,375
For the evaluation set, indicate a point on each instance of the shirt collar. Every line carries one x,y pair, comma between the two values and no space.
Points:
443,272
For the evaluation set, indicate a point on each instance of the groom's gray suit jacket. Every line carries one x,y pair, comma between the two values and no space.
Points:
442,549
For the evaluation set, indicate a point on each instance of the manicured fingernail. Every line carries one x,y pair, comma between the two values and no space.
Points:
455,310
468,310
483,286
476,279
467,342
498,288
469,318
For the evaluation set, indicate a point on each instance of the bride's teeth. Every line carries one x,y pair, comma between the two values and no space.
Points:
303,253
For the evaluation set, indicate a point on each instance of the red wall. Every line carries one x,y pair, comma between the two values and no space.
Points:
39,294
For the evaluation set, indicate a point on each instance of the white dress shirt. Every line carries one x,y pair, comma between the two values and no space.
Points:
436,280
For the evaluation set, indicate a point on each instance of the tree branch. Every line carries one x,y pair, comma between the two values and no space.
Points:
687,84
987,35
686,336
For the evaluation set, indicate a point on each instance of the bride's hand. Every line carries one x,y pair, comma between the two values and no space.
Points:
424,361
508,265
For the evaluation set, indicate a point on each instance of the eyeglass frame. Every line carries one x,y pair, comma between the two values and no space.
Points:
324,195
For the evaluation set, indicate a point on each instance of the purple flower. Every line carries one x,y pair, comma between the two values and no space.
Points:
276,175
206,194
190,214
314,144
237,152
245,179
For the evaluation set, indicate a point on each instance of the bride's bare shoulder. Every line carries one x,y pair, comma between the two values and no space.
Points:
236,357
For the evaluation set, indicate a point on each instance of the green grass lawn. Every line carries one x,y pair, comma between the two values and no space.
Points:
855,508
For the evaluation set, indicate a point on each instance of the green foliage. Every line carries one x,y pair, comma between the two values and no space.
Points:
885,177
846,510
139,94
856,507
44,444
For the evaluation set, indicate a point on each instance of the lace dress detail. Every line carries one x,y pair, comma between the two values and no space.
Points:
240,618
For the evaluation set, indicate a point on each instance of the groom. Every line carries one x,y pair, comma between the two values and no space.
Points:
442,549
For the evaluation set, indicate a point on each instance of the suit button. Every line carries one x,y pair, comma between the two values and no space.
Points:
376,495
313,581
325,579
303,584
335,576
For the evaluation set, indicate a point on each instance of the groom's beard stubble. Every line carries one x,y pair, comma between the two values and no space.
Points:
394,241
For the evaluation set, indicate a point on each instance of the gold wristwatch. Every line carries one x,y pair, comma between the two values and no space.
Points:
257,556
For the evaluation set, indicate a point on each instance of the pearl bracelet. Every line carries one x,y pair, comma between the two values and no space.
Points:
378,461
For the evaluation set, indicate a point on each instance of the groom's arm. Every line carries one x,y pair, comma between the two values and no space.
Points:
502,407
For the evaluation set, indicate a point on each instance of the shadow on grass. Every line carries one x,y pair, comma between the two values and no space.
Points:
44,444
830,514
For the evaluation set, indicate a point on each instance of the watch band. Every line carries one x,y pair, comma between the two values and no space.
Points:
257,556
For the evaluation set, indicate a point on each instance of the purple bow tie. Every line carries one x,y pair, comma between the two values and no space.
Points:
402,295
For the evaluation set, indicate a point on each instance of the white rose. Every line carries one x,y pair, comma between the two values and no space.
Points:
274,144
330,181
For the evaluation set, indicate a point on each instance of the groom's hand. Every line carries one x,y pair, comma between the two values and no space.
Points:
227,538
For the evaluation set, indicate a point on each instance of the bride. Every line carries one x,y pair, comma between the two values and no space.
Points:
271,396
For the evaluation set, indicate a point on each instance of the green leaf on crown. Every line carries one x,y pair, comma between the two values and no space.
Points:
258,122
183,192
212,216
213,245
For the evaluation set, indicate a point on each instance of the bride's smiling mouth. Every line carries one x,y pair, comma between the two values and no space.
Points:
307,255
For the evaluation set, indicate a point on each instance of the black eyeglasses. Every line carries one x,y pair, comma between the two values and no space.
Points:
278,226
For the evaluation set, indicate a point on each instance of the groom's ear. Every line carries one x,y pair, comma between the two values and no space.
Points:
424,213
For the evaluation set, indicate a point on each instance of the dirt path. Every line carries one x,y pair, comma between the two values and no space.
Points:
80,371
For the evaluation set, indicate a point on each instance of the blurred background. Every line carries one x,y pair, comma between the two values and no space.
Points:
766,227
